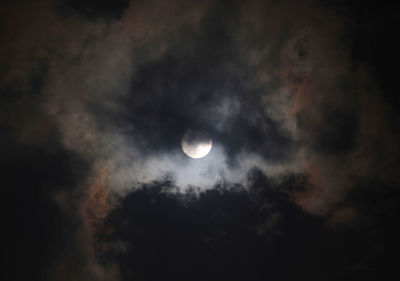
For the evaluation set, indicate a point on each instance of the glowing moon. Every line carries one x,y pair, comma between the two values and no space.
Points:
196,144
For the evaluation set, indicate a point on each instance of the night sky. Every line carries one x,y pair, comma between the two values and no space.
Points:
300,98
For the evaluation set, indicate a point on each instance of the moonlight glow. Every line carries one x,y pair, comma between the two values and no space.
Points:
196,144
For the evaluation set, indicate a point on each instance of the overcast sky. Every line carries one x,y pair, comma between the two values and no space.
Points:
298,97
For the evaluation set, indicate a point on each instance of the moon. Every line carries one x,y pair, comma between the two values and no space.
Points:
196,144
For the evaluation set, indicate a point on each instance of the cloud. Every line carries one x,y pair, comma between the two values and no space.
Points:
278,95
101,94
226,233
92,10
144,106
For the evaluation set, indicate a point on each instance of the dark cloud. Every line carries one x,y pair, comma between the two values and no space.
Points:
336,134
93,9
226,234
298,97
196,84
45,233
37,230
378,206
32,84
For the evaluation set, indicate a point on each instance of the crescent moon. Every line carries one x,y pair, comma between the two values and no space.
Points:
196,144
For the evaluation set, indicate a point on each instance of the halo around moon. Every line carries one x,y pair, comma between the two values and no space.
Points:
196,144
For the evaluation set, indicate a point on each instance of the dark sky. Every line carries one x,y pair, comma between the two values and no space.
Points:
300,99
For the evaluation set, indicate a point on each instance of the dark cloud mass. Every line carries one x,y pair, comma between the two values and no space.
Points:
188,85
299,98
239,235
92,9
